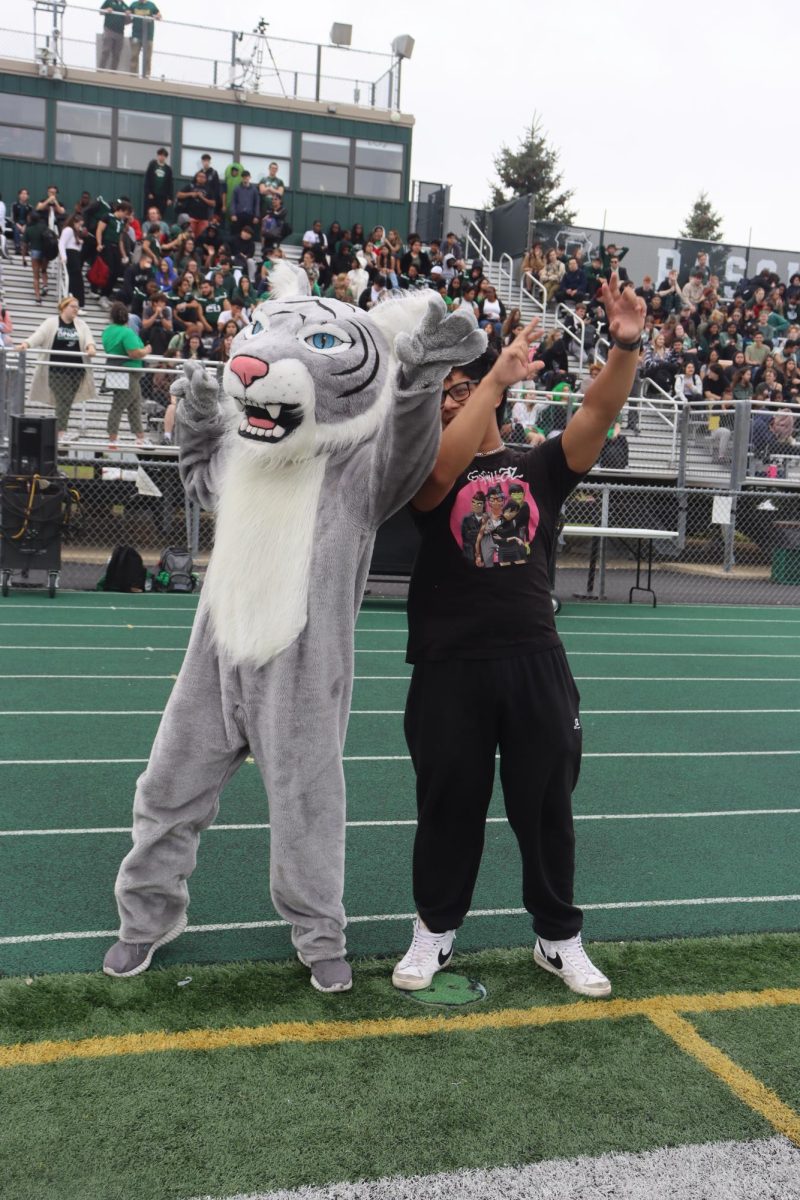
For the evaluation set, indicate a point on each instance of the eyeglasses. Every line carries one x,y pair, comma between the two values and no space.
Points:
459,392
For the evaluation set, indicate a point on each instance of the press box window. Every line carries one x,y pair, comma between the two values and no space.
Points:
22,121
139,135
217,138
83,134
325,165
258,147
378,170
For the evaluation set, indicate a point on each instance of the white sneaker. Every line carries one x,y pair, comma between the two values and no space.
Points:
104,303
426,955
570,962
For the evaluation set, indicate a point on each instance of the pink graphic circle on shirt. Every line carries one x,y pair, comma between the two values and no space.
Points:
483,489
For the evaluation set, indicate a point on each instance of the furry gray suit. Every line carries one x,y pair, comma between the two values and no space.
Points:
334,425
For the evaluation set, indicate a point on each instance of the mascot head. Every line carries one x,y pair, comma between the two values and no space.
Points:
311,375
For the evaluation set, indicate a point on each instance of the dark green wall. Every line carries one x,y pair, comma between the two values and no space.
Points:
304,207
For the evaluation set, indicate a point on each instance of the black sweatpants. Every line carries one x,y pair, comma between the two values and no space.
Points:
458,714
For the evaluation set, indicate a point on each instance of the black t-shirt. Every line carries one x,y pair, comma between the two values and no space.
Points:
480,586
66,339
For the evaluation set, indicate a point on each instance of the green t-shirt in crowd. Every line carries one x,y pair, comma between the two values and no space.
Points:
143,12
115,13
113,230
118,340
212,307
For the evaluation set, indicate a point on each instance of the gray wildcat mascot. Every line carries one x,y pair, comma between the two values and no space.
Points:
334,424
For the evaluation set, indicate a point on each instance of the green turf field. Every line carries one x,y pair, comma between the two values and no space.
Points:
244,1081
687,813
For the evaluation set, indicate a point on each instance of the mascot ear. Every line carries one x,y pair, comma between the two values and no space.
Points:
285,279
401,314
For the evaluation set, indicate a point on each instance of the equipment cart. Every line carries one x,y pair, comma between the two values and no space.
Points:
34,509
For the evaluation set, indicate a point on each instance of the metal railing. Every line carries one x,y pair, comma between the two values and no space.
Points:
62,37
505,277
532,289
477,245
575,330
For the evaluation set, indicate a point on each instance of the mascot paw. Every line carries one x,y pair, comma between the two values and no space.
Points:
440,342
198,392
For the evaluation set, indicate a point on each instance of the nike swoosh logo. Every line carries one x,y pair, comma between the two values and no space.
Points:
444,958
555,961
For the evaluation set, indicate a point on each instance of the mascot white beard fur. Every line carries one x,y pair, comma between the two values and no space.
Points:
329,424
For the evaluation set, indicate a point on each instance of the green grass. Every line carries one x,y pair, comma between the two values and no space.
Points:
176,1124
254,993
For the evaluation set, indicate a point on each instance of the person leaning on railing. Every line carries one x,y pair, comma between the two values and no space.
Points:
61,376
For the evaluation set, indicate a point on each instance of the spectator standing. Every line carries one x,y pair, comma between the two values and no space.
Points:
21,210
36,231
144,14
245,206
213,181
127,350
116,16
197,203
69,249
58,379
159,189
111,246
270,186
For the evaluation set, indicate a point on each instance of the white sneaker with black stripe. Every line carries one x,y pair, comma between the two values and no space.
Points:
427,954
570,962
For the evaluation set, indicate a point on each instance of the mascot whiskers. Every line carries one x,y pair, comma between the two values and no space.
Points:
328,424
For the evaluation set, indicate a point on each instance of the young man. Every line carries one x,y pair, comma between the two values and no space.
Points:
159,188
489,670
111,245
144,13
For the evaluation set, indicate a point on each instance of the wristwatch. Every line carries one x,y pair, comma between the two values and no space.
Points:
637,345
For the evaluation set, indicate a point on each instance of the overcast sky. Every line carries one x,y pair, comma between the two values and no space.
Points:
647,103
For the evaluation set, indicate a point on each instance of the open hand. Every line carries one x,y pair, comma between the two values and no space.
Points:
512,366
625,310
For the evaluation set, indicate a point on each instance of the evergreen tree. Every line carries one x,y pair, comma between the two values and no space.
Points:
532,169
703,223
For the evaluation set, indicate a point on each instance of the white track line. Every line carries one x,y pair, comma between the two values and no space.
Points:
365,920
572,653
399,824
398,712
173,677
648,633
95,762
678,678
596,616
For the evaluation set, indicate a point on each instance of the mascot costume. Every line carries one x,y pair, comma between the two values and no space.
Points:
330,422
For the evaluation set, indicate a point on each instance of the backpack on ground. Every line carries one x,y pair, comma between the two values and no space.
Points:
175,571
125,572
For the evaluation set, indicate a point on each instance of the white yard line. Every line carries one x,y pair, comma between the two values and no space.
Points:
260,826
94,762
227,927
759,1170
398,712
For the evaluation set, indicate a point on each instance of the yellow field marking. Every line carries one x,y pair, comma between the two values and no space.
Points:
318,1032
744,1085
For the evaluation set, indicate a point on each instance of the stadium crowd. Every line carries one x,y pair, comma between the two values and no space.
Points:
194,261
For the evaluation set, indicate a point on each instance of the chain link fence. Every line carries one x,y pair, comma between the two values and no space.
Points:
720,484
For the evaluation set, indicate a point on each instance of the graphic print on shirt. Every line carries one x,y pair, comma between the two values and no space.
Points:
494,519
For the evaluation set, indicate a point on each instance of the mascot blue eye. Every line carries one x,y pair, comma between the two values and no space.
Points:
323,341
256,328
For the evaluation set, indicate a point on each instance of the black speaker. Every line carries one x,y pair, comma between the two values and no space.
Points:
33,445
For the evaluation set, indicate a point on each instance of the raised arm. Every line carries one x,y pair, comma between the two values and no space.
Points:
408,444
201,429
583,438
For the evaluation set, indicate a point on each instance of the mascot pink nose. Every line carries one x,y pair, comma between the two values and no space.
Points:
248,369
